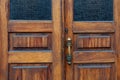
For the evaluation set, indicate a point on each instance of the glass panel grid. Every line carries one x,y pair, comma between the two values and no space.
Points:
93,10
30,10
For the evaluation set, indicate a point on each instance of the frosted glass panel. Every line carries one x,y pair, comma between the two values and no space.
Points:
30,9
93,10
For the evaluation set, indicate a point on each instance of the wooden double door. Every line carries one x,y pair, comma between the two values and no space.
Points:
59,40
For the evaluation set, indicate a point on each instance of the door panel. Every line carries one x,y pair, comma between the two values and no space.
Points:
32,40
93,72
30,72
93,41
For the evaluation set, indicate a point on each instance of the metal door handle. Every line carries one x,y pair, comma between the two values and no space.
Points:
69,56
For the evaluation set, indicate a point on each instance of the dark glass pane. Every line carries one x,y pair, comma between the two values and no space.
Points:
93,10
30,9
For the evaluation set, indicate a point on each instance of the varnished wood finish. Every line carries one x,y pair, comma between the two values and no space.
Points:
93,42
3,40
57,40
93,72
68,25
118,68
93,27
31,41
33,49
93,57
30,57
117,35
117,20
30,26
30,72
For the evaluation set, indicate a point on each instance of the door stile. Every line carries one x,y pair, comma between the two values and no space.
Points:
117,36
57,40
68,34
63,39
116,46
3,40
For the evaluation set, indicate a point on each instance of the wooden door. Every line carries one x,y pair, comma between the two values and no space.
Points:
92,27
30,40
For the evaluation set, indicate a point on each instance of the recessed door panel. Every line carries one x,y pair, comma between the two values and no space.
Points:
30,41
93,41
30,72
93,72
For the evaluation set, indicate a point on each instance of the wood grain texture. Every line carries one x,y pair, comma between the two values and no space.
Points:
30,26
117,27
63,38
3,40
93,72
30,57
93,41
93,57
93,27
117,36
68,25
118,68
57,39
81,54
54,57
30,72
117,20
31,41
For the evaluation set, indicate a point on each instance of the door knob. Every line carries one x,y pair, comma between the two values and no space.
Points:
69,55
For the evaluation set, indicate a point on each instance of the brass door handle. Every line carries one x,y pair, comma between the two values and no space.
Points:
69,56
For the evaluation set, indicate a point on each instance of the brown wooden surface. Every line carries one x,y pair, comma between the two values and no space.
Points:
93,42
68,25
30,72
57,40
117,35
3,40
30,57
118,68
31,41
30,26
93,27
33,49
93,72
93,57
